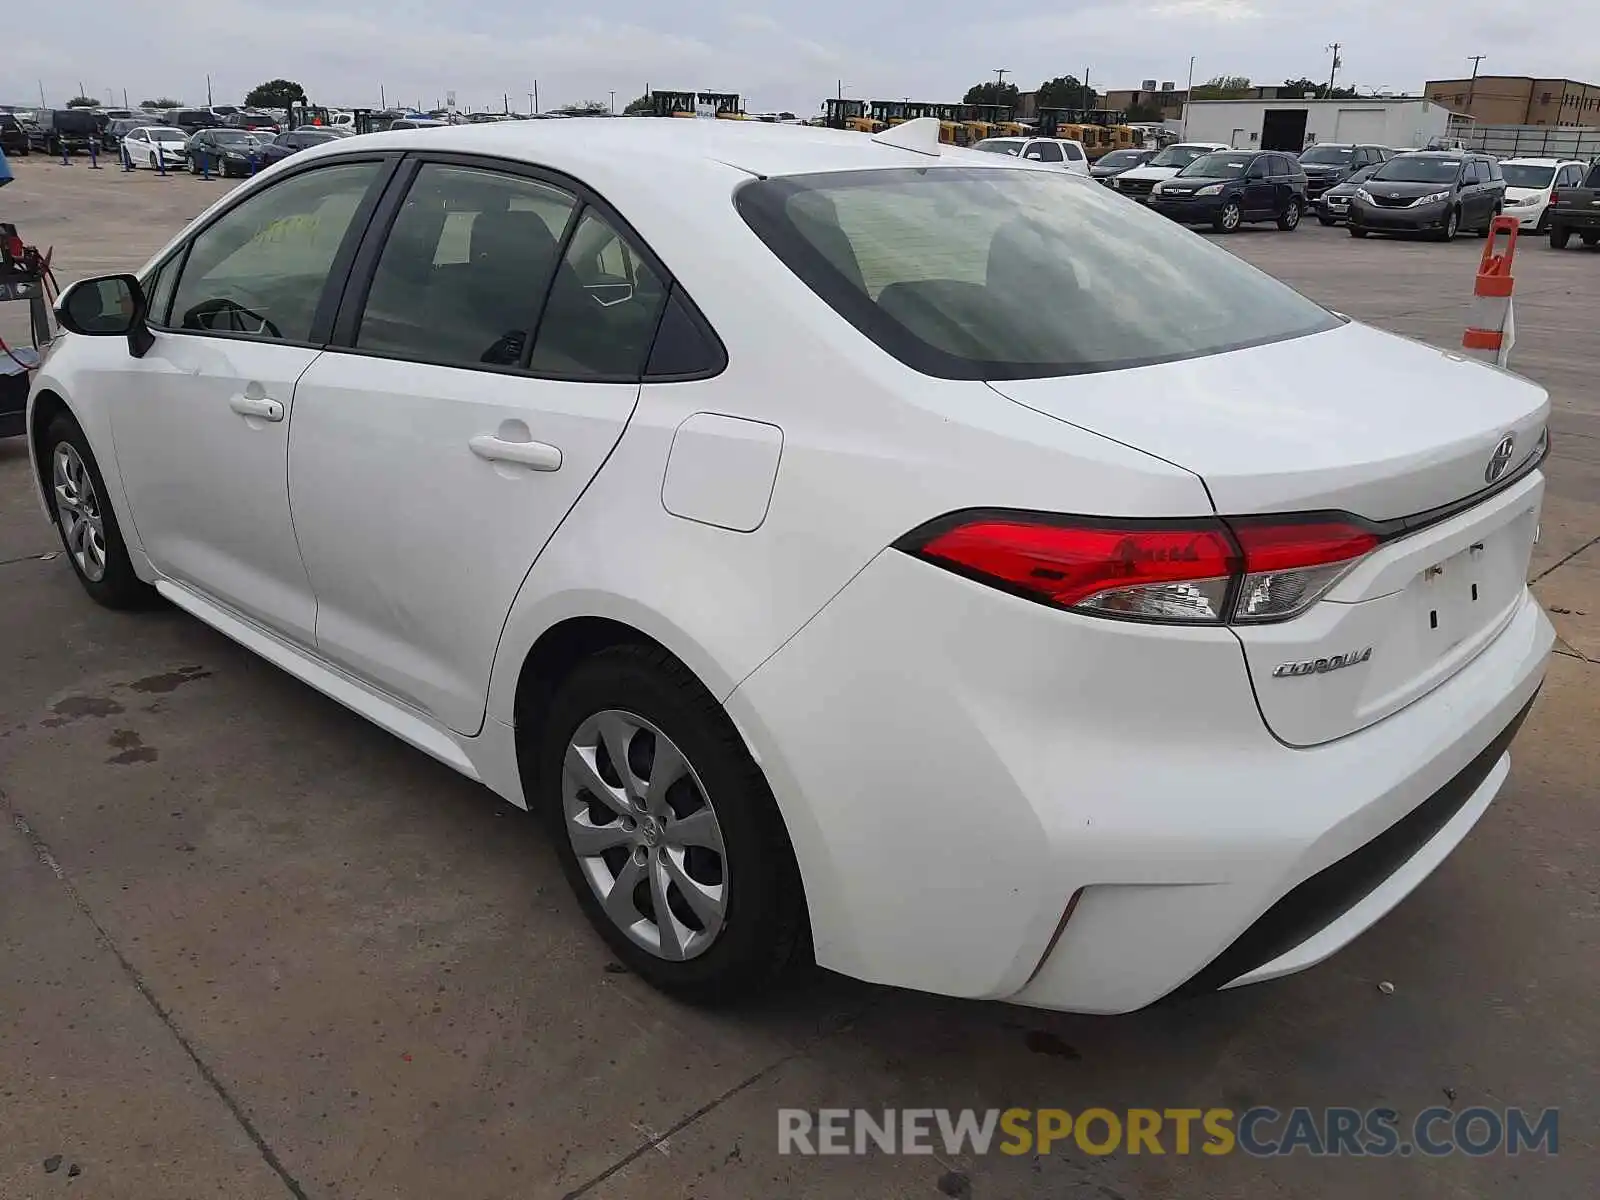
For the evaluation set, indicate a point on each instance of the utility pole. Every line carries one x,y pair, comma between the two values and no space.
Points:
124,97
613,103
535,95
1000,74
383,100
530,104
1476,59
42,104
1334,70
1188,98
838,90
208,91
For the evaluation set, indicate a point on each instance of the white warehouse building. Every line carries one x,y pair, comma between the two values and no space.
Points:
1295,124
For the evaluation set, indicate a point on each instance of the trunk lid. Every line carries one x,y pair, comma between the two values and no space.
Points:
1362,422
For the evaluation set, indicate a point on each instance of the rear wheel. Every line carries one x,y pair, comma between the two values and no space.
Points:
1291,216
1560,235
1228,217
1489,224
85,520
1590,239
1357,232
1327,221
667,829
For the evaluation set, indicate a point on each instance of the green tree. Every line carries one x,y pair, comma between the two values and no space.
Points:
1299,87
1222,87
992,93
275,93
83,102
163,102
1064,91
643,106
1144,112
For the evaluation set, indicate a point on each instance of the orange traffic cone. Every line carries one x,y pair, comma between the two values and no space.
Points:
1491,326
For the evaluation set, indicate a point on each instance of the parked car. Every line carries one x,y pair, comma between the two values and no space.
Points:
1437,192
13,137
1065,153
1107,166
225,152
1530,183
826,595
292,141
118,129
1333,206
416,123
1139,182
253,121
1234,187
55,131
1328,164
1576,210
193,120
155,145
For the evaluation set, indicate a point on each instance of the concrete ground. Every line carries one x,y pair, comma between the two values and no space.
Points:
254,947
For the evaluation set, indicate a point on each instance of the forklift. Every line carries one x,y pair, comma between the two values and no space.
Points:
725,106
850,114
316,116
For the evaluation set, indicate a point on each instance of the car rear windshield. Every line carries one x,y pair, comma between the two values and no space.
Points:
1527,177
1178,156
1334,155
997,273
1122,158
1413,168
1218,166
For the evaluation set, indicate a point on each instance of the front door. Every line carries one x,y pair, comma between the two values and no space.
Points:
1260,193
202,420
437,451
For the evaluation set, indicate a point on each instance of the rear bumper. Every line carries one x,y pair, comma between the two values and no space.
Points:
959,769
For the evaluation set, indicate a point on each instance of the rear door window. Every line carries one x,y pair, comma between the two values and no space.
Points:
465,268
979,273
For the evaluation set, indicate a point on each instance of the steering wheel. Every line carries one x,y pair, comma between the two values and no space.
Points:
235,315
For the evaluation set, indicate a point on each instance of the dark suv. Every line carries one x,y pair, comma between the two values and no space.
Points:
13,137
1226,188
1437,192
65,130
193,120
1328,164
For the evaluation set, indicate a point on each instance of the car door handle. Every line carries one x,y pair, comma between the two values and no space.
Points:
540,456
256,406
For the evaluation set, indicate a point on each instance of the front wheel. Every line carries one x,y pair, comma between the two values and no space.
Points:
667,829
152,162
1452,226
1327,221
1590,239
1291,217
1357,232
85,520
1228,217
1560,235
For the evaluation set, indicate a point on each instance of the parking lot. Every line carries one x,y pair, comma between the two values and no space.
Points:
255,947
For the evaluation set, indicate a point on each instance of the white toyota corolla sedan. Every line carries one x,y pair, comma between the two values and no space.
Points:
856,547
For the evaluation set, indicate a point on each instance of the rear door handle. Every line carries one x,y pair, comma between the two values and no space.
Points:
540,456
256,406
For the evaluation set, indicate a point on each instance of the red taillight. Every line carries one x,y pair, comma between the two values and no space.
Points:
1205,571
1554,197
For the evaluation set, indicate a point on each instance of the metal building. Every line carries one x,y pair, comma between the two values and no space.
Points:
1295,124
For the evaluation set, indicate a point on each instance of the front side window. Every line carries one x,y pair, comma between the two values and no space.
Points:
603,308
1043,152
975,273
465,267
260,268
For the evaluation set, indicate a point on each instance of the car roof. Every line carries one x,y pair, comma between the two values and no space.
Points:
589,148
1540,162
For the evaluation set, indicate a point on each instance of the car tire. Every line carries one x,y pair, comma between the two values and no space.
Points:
153,166
1357,232
1589,239
638,697
1452,226
1489,224
1328,221
1290,219
85,521
1543,227
1560,235
1228,218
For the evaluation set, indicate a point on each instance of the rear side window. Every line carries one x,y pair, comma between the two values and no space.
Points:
466,264
978,273
1072,151
603,308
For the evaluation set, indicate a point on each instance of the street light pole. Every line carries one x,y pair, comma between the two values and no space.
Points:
613,103
1188,98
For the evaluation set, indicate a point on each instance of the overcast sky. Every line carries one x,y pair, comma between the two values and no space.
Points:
776,56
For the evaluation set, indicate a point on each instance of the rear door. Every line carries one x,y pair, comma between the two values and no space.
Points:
485,363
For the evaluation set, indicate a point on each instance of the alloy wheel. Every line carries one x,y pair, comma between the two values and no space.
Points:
645,834
1291,216
78,512
1230,217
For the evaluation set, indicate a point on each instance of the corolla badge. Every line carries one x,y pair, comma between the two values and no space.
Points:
1321,666
1500,459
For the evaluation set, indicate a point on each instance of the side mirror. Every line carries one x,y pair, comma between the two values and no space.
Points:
107,306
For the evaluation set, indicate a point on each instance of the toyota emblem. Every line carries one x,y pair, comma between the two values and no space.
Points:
1500,459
